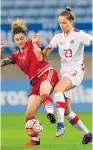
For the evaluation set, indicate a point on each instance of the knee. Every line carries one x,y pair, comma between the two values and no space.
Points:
57,90
67,111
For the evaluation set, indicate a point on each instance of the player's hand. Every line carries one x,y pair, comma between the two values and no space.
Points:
47,50
49,47
35,38
2,47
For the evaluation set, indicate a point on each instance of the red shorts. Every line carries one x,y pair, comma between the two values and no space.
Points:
50,75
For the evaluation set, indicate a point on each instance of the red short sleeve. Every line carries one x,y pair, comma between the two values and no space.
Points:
13,57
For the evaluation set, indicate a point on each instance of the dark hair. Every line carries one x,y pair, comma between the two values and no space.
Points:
68,14
18,26
18,30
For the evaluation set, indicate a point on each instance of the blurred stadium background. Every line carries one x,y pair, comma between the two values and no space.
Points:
41,17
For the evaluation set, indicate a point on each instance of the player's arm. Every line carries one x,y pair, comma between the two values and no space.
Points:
37,47
91,41
47,50
53,44
86,38
6,61
35,41
1,49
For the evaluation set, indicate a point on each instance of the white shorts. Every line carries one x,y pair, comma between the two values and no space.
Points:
76,77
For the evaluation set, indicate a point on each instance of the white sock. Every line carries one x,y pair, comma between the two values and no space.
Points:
35,138
48,103
60,106
77,123
49,108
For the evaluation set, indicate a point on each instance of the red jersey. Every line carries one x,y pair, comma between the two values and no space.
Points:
26,60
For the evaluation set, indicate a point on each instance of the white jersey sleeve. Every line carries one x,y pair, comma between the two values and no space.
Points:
54,42
85,38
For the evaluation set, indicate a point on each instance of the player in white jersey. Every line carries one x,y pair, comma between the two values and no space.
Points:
70,42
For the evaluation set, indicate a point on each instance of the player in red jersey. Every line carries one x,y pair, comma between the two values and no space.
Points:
30,60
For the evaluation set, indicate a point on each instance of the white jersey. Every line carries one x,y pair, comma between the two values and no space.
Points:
71,48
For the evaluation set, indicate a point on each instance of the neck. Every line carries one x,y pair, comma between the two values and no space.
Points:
21,49
67,32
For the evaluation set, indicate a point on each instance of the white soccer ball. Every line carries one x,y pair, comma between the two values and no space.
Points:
34,128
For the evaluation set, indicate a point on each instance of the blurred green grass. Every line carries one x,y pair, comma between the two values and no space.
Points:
13,135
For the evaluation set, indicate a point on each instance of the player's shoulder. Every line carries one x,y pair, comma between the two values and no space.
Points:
76,30
60,32
16,52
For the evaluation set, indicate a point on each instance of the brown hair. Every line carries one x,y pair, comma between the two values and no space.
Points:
18,26
68,14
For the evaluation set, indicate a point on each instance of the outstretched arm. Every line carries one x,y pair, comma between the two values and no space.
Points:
1,48
47,50
91,41
36,43
6,61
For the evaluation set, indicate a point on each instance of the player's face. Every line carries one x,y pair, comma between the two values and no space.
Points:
64,23
20,39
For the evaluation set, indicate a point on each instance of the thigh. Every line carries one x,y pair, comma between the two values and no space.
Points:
75,75
34,103
49,80
45,88
63,85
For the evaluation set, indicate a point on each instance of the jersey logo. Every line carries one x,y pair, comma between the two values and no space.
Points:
72,41
21,57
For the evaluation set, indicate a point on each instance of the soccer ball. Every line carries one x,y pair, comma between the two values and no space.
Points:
34,128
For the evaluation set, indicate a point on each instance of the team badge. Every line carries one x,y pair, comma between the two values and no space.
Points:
72,41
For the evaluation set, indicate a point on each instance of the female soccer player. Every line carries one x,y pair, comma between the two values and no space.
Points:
30,60
70,42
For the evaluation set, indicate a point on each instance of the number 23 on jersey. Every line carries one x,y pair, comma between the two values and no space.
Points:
68,53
